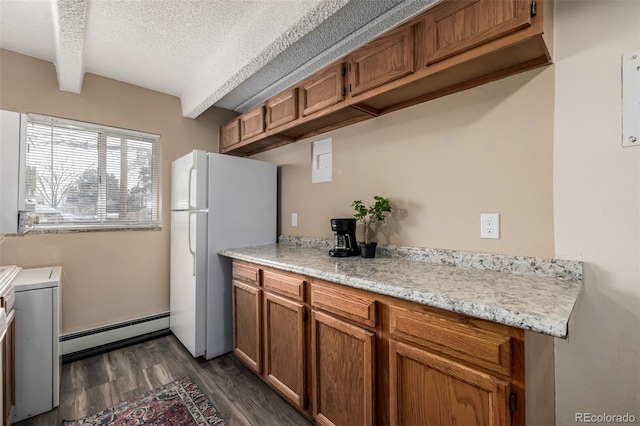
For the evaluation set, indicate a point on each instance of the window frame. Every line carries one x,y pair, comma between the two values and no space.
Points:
103,133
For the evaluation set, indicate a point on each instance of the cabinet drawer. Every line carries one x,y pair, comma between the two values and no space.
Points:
348,304
290,285
246,272
455,335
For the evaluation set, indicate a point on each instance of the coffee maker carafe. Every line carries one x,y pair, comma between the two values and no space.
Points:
345,238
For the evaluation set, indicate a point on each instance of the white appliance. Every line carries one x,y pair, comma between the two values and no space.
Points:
37,308
13,135
217,201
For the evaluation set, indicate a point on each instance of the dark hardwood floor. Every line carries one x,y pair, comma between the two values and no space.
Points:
95,383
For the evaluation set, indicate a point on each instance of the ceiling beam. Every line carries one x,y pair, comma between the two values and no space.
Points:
69,20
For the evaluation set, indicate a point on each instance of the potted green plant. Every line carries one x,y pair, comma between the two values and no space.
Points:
369,216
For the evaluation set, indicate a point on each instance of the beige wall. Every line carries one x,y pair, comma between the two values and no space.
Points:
108,276
597,210
442,163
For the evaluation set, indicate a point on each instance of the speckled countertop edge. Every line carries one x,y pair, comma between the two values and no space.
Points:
538,303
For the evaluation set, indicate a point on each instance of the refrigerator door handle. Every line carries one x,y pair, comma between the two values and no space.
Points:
191,250
191,170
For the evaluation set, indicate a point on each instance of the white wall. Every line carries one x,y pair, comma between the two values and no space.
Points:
597,209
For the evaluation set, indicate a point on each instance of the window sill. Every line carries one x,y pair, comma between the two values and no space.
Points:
82,230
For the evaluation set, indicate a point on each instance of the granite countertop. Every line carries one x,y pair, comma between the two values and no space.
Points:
525,298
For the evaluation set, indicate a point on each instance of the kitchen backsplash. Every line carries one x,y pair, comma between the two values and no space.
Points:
521,265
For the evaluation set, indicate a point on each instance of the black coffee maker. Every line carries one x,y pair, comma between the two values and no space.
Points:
345,241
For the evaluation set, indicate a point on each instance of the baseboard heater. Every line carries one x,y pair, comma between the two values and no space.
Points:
84,344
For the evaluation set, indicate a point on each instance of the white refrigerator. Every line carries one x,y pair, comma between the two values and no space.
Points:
217,201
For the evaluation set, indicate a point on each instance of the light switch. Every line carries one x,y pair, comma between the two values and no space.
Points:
321,161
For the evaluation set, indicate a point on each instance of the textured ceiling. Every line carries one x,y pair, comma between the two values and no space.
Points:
228,53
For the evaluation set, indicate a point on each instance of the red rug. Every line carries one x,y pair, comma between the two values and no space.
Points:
179,403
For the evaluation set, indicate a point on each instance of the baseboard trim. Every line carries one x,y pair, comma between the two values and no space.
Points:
98,350
102,337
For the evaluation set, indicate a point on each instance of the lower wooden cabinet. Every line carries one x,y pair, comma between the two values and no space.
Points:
343,371
7,353
285,347
429,389
362,359
247,321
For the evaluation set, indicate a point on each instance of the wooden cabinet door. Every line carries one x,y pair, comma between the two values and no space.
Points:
282,108
343,372
285,347
8,345
382,61
230,134
247,317
428,389
323,89
456,26
252,123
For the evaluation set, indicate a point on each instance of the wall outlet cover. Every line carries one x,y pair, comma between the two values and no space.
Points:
490,225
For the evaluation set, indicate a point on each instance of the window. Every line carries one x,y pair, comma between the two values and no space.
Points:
86,176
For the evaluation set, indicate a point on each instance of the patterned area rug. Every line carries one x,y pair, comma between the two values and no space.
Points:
179,403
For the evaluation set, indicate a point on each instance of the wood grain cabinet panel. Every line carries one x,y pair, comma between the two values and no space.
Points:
285,347
427,389
343,372
283,283
382,61
7,348
282,109
456,26
246,272
247,334
230,134
252,122
323,89
454,335
349,304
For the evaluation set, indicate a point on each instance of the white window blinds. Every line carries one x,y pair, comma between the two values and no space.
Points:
86,176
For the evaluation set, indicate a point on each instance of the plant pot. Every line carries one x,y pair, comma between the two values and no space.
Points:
368,250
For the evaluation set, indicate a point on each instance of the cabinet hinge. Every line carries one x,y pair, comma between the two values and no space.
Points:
305,315
512,402
344,70
344,91
534,10
305,401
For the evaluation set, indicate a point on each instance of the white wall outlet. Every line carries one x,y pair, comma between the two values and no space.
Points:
490,225
294,219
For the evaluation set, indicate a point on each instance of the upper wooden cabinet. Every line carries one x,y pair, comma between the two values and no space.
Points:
230,134
381,61
456,26
252,123
323,89
453,46
282,109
